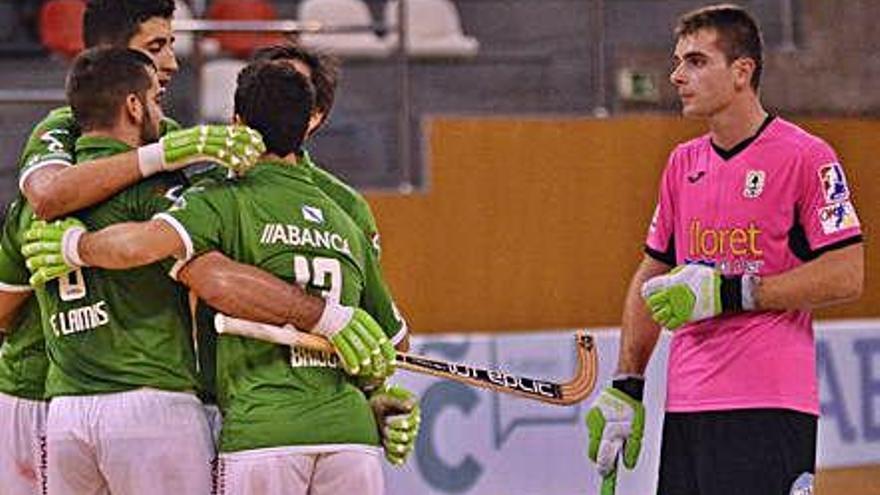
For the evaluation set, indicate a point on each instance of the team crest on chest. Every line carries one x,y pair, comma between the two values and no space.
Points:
754,184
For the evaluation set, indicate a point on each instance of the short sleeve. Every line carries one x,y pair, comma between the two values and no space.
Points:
660,243
199,217
52,142
13,272
825,208
377,301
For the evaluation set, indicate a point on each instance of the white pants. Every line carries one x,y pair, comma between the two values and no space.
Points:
279,472
23,446
143,441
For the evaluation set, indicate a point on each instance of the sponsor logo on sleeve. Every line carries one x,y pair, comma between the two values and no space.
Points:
754,185
313,214
833,183
838,216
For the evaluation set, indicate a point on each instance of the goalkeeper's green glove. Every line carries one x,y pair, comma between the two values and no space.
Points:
235,147
695,292
615,423
361,344
398,415
50,249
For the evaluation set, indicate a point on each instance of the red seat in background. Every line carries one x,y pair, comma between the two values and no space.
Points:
243,44
61,26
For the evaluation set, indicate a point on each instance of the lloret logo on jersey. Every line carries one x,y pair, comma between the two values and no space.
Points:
732,249
754,184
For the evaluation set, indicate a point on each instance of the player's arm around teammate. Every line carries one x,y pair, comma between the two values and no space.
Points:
48,179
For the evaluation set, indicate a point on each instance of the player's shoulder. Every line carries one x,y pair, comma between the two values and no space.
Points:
334,186
690,149
806,146
59,118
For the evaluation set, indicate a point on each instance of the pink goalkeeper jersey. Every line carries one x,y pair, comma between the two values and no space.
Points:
767,206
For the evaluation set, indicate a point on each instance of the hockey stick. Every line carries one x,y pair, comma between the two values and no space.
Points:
563,394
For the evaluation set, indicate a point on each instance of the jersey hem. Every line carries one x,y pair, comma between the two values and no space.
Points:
703,406
297,450
33,168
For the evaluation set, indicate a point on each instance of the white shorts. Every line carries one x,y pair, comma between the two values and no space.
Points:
23,445
143,441
279,471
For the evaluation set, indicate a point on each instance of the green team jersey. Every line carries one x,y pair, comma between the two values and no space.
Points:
116,330
23,361
277,219
350,201
53,141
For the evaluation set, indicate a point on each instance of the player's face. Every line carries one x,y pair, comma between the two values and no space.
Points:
705,81
155,38
152,115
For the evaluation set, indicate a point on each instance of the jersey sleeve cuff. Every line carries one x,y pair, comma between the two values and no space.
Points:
184,236
4,287
666,258
400,335
849,241
37,166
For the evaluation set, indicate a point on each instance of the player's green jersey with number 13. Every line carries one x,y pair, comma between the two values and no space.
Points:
277,219
117,330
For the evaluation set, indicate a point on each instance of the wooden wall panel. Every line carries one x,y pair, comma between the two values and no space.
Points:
538,223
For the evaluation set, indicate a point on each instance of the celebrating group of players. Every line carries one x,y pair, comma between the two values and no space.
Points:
130,232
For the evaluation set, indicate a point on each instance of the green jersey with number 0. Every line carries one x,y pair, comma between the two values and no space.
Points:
117,330
277,219
23,361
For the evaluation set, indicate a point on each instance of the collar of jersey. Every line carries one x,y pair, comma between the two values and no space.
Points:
95,146
742,145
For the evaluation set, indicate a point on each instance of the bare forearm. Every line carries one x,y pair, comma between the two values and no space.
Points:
639,333
245,291
127,245
10,304
835,277
55,192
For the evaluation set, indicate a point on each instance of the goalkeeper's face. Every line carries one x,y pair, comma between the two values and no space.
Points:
155,38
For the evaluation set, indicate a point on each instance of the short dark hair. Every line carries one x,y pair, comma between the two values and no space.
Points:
101,79
276,100
115,22
324,70
738,33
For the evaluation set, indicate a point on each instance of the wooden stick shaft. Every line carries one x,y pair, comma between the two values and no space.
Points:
530,388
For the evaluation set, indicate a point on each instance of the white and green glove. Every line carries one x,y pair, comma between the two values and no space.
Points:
235,147
695,292
50,249
615,424
398,415
361,344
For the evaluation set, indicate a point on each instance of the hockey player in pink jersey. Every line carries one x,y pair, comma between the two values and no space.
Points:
754,227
